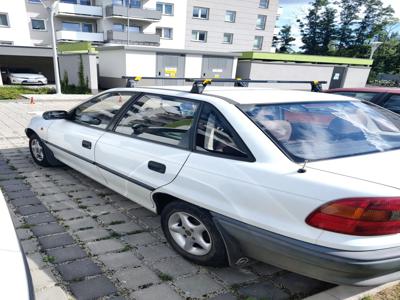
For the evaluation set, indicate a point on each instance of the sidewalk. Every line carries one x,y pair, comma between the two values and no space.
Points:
55,97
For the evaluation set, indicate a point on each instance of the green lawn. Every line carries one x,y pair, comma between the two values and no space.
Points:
14,92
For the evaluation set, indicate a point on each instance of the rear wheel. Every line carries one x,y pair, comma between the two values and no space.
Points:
38,152
192,233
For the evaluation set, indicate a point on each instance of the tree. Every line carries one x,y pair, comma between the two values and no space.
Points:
283,42
348,17
328,29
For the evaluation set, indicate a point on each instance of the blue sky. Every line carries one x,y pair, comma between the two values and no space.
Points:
296,9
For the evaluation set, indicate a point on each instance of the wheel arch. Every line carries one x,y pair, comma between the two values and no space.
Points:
161,200
29,132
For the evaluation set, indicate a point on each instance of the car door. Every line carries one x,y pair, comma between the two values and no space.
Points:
148,147
73,140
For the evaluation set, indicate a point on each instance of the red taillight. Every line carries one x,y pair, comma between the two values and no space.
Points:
359,216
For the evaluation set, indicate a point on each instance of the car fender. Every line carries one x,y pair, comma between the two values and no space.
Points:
39,126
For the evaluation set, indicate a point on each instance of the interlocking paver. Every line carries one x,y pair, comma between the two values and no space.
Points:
198,285
93,288
105,246
40,218
78,269
69,214
46,229
116,261
126,228
92,234
157,252
151,222
136,277
24,234
25,201
80,224
21,194
53,198
264,290
234,275
35,261
141,212
264,269
32,209
91,201
56,206
102,209
29,246
113,218
176,266
137,239
162,291
300,285
57,240
66,254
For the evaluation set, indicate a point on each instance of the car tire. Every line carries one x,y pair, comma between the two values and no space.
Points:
190,230
37,149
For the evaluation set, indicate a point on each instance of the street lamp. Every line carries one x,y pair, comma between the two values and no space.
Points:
52,10
374,47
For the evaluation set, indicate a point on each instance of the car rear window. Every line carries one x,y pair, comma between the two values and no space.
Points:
326,130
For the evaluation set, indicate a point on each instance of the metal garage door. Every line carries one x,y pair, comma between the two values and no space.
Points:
170,65
217,67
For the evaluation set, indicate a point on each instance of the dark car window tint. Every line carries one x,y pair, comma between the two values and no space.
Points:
393,103
368,96
99,111
216,136
161,119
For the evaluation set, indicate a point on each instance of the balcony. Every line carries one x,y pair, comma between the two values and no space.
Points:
66,35
77,10
135,38
141,14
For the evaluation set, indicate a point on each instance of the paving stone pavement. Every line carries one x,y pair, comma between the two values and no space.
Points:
84,241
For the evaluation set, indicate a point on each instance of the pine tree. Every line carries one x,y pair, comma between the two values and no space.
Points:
348,17
283,42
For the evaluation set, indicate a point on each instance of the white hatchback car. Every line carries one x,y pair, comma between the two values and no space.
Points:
304,181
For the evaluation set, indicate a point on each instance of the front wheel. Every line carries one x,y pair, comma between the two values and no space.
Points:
38,152
192,233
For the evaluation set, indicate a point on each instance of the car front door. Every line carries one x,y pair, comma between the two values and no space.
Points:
148,147
73,140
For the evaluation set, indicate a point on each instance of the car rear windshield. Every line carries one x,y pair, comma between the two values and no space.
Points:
324,130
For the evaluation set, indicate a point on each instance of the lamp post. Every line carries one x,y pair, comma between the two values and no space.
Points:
128,4
374,47
52,10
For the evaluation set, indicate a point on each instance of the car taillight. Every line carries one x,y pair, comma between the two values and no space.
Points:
359,216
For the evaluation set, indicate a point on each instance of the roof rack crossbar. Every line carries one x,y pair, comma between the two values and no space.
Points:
199,84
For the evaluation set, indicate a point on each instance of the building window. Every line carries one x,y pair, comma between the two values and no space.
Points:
200,12
261,20
118,27
165,8
38,24
264,3
258,42
228,38
79,27
230,16
165,33
4,20
34,1
199,36
7,43
87,27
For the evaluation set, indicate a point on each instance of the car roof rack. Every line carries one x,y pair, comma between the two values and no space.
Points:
199,84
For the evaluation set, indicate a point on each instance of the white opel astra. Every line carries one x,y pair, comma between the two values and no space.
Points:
304,181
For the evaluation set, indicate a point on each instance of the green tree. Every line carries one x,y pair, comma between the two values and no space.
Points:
327,29
348,18
284,41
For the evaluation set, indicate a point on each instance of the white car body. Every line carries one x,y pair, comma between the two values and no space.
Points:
14,274
267,194
26,78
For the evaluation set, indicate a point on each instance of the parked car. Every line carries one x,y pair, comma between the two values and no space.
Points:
16,282
22,76
388,98
303,181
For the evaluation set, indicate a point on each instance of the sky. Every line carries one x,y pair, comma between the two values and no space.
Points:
296,9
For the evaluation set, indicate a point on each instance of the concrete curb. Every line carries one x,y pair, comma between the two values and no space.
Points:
345,292
54,97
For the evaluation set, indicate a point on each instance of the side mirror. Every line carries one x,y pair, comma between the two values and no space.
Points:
90,120
55,115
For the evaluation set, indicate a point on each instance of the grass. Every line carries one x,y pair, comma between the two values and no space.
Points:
165,277
14,92
49,258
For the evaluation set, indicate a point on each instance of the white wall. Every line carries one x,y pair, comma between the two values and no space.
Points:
112,63
356,77
193,65
177,22
140,64
18,31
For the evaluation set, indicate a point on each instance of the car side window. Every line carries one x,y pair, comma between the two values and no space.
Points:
367,96
215,135
98,112
160,119
393,103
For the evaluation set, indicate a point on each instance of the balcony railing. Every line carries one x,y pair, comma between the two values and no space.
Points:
135,38
134,13
66,35
79,10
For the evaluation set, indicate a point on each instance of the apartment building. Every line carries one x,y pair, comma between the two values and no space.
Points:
221,26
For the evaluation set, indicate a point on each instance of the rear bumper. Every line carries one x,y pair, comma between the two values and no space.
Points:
361,268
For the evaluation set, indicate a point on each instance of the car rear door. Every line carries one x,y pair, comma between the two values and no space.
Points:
73,140
148,146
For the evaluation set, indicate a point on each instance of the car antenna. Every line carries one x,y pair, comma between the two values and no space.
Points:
303,168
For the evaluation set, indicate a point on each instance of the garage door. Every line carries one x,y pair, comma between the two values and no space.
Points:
170,65
217,67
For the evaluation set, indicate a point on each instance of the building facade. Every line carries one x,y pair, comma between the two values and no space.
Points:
221,26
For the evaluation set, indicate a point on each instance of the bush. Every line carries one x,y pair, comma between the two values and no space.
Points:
15,92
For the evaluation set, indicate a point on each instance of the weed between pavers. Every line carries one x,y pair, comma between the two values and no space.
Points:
117,222
82,206
26,226
49,259
165,277
126,248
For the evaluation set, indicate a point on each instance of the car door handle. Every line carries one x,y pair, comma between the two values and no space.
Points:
156,167
86,144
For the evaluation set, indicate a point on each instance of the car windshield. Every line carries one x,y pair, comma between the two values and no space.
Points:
325,130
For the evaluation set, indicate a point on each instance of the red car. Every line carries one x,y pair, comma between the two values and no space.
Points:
388,98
